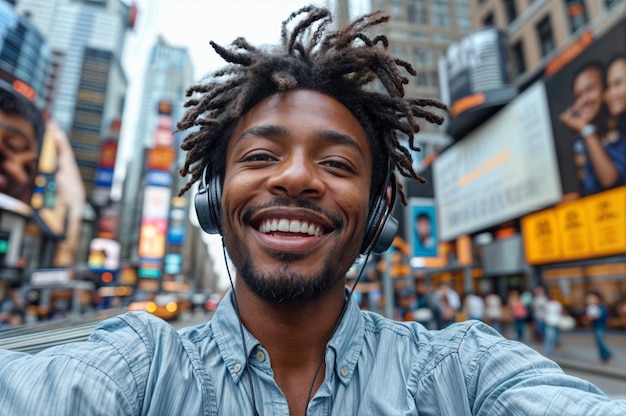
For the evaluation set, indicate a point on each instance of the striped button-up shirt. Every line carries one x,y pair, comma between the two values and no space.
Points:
136,364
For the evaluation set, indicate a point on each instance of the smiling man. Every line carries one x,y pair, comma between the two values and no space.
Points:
297,160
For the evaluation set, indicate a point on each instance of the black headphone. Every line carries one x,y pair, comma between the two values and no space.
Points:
380,231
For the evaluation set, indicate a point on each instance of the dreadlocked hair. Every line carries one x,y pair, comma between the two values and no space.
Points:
339,64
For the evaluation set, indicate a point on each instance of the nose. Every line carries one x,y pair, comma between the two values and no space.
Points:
296,176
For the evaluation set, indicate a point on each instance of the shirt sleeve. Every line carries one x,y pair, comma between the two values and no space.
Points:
509,378
97,377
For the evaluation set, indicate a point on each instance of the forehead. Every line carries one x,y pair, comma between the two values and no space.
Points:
303,112
618,66
589,75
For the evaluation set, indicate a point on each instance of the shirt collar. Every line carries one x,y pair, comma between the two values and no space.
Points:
346,343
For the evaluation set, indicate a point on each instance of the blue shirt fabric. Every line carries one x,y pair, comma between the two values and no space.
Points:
616,151
136,364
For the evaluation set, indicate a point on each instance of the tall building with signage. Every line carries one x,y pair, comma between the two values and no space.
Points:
87,82
168,75
24,58
533,197
24,53
419,31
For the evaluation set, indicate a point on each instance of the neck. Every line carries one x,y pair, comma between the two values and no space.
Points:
293,335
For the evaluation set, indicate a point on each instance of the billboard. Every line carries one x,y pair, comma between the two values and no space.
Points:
22,126
587,110
422,224
104,255
504,169
581,229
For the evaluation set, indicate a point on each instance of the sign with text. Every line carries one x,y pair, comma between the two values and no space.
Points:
541,237
607,220
504,169
590,227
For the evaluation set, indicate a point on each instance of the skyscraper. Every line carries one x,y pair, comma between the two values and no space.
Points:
168,74
87,80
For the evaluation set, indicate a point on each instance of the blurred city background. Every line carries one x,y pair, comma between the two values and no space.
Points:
515,197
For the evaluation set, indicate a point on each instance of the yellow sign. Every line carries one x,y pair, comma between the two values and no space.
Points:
541,237
607,219
574,230
593,226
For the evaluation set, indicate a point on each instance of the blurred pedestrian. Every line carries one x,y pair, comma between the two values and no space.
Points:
538,312
474,306
518,312
406,304
598,314
494,311
552,318
449,303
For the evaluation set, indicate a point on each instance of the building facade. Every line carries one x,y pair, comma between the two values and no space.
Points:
514,202
87,82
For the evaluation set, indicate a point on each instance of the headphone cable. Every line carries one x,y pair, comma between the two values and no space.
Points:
343,311
243,338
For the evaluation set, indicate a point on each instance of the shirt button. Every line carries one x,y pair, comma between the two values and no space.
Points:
344,371
260,357
237,367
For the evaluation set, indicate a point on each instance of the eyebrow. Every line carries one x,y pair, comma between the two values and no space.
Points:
325,135
15,130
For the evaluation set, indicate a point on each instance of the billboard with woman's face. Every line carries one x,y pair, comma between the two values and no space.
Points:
21,127
586,89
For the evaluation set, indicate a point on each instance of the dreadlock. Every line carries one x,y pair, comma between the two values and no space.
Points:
336,63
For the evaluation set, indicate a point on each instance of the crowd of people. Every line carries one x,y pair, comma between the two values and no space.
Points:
527,316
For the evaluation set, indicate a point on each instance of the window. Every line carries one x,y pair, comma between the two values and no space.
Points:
463,18
488,20
422,57
511,10
417,12
518,57
397,10
421,79
441,13
576,13
544,32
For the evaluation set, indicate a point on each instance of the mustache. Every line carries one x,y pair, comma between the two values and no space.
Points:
282,201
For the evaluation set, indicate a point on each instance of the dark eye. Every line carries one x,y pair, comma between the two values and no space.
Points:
258,157
337,164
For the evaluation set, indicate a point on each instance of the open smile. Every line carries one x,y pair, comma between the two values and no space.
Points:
291,231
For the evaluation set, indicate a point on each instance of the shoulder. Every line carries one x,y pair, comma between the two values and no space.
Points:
467,338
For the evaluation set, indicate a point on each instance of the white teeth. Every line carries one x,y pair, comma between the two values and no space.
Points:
283,225
291,226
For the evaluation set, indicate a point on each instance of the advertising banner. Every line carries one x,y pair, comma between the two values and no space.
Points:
581,229
587,110
104,255
423,227
504,169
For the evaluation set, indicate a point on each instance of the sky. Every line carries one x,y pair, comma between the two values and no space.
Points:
192,24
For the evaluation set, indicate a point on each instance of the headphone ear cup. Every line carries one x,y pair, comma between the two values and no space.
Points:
386,235
374,223
381,227
208,202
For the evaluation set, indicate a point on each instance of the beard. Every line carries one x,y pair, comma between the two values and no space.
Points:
287,287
